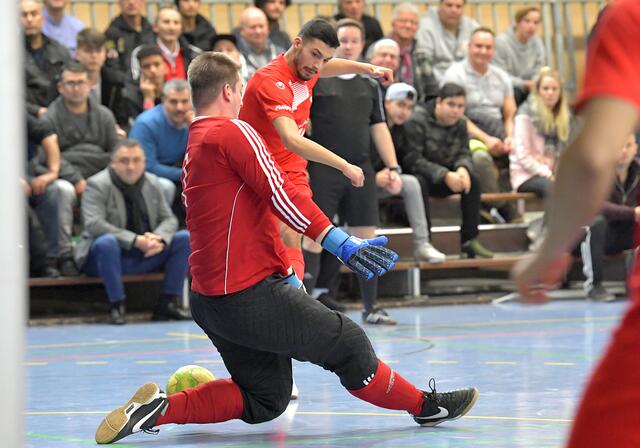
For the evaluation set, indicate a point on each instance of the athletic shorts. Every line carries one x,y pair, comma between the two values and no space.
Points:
300,179
334,194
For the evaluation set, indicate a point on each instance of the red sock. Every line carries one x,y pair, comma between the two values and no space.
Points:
297,261
389,390
212,402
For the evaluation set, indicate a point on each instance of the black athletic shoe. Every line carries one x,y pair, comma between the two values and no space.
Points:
138,414
440,407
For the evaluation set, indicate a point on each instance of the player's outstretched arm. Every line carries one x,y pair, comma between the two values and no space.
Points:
367,258
310,150
338,66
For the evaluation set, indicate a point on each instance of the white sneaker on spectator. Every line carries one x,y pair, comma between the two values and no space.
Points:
426,252
294,391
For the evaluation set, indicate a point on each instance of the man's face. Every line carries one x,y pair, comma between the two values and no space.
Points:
405,25
189,8
387,56
153,68
227,47
30,18
351,43
629,150
450,12
128,164
353,9
176,105
481,49
399,111
529,24
132,8
255,30
92,58
449,110
549,90
236,96
168,25
310,57
74,87
56,4
274,9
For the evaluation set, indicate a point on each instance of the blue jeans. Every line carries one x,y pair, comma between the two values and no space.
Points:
108,260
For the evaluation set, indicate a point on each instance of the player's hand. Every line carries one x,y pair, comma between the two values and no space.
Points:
80,186
537,274
385,75
367,258
39,184
354,174
454,182
465,177
508,145
495,145
148,88
395,183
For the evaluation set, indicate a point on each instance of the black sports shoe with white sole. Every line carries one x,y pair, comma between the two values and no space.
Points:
138,414
440,407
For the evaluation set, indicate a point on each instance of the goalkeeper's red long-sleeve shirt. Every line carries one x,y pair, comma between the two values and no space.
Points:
233,191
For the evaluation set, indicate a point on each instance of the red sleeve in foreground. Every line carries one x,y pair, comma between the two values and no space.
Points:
613,61
249,156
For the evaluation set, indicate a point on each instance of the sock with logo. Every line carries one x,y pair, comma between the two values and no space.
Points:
387,389
212,402
297,261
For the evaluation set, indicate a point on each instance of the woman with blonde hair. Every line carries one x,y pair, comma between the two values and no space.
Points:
542,127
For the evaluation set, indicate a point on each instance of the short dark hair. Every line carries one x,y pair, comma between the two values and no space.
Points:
74,67
260,3
450,90
125,143
91,39
343,23
482,29
207,75
319,29
148,50
522,12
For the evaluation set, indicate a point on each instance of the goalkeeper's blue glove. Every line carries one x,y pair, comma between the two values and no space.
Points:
366,258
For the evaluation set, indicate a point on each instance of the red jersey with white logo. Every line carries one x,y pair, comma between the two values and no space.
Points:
231,190
275,91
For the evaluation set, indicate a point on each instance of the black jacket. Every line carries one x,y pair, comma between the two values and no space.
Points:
434,150
203,34
42,71
122,39
424,81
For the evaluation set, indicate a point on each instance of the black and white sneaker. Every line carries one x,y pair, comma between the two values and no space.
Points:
138,414
440,407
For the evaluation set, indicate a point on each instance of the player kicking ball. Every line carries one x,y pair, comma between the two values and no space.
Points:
241,295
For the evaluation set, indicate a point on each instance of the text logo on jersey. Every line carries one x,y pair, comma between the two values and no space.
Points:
280,85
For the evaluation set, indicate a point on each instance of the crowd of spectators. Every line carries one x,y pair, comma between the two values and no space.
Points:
108,114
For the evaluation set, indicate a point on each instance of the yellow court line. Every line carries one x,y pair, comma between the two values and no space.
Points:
189,335
500,363
91,363
151,362
361,414
559,363
98,343
33,364
442,362
520,322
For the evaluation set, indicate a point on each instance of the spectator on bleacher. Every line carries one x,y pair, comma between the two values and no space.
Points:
196,29
542,128
176,51
385,53
347,116
612,231
145,92
106,83
253,39
43,61
414,68
162,132
520,51
51,199
86,129
444,33
129,229
354,9
274,10
400,99
127,31
490,110
228,44
438,155
60,26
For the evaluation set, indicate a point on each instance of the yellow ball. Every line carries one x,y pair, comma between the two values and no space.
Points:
187,377
477,145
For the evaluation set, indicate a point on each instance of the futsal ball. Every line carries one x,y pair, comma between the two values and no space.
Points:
187,377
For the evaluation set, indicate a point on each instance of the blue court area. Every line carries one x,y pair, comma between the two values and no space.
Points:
529,362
